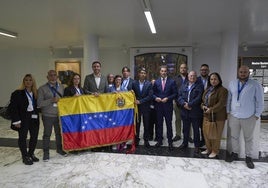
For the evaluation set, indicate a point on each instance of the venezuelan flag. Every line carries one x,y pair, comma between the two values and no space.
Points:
88,121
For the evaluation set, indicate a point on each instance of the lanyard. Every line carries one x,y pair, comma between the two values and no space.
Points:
53,90
239,89
78,91
30,96
189,89
125,83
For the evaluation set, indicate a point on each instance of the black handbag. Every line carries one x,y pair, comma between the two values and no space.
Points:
5,112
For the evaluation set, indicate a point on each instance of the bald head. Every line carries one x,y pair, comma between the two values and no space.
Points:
192,77
243,73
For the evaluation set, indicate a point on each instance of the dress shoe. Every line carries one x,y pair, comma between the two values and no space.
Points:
196,150
212,155
34,158
182,146
249,162
27,161
61,152
176,138
170,147
46,157
158,144
190,140
205,152
146,144
201,144
232,157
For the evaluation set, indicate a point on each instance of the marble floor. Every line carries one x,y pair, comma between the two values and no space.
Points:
146,168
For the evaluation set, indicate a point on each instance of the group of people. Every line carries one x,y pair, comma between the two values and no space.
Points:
194,100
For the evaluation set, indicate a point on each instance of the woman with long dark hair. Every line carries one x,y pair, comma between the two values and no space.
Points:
25,117
214,102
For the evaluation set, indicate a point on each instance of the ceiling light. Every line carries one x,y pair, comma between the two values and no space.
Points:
150,21
8,33
148,14
70,50
244,46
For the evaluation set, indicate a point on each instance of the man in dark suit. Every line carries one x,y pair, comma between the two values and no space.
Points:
127,81
95,83
180,80
165,91
190,98
144,93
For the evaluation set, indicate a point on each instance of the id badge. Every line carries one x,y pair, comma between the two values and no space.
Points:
55,105
237,104
34,116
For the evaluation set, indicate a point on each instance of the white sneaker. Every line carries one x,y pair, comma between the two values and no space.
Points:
204,152
212,155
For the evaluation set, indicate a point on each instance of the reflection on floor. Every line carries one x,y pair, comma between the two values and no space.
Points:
148,167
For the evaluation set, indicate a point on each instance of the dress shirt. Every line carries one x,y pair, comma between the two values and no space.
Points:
249,102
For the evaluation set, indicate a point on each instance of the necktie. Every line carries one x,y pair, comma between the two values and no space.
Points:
163,84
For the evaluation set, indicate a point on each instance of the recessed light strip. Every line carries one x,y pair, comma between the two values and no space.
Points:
150,21
8,33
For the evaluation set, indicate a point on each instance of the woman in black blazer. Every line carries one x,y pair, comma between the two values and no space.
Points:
74,86
25,117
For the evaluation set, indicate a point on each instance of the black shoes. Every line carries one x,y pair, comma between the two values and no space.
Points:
230,158
249,162
146,144
170,147
196,150
182,147
158,144
190,140
34,158
46,157
27,161
61,152
176,138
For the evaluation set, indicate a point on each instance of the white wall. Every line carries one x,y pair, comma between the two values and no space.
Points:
15,64
208,55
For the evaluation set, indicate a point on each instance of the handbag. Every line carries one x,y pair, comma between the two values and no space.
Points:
213,130
5,112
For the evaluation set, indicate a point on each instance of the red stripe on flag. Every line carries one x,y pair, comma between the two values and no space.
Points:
97,138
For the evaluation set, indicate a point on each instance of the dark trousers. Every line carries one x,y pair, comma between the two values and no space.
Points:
196,124
167,114
50,122
31,125
152,124
146,118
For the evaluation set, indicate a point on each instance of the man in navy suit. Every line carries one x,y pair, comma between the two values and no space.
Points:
165,91
190,97
144,93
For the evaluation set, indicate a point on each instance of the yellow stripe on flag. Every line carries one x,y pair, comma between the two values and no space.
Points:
91,104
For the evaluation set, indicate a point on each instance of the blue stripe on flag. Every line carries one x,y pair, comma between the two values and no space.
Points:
96,121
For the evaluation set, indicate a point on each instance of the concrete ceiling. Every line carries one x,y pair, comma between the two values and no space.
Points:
121,23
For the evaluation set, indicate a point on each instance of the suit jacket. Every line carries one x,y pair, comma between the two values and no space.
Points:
91,87
145,96
18,106
170,91
130,83
217,101
200,80
179,81
71,91
194,101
